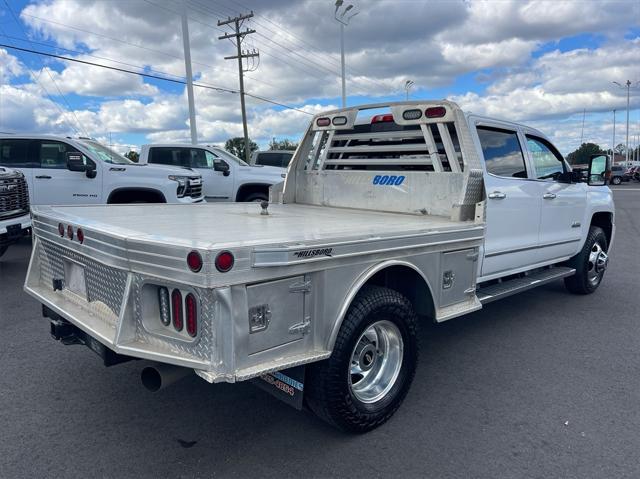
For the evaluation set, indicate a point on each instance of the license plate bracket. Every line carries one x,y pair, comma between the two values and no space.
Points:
14,231
74,278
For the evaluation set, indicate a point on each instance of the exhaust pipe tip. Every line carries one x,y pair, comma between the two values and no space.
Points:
160,376
151,379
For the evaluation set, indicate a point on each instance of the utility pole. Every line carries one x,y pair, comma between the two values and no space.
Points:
236,23
187,66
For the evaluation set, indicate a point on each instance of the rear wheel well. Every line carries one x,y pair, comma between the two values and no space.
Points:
135,195
604,220
409,283
248,190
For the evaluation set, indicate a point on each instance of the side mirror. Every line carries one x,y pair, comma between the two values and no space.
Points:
599,170
219,165
75,162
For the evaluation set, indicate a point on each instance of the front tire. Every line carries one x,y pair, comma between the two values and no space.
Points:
256,198
590,263
616,180
372,365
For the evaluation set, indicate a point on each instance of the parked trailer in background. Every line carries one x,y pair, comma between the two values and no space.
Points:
416,212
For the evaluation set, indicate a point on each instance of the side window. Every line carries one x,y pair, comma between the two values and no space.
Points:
53,154
210,157
198,158
502,152
546,160
165,156
269,159
14,153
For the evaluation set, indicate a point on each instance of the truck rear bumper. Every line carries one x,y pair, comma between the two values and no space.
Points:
112,312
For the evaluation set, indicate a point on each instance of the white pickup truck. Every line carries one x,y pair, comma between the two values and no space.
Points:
417,213
15,219
68,171
225,176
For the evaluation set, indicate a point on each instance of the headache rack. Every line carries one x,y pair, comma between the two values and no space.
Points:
425,147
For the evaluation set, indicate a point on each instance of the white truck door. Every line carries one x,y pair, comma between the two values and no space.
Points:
563,204
54,184
14,154
513,202
218,184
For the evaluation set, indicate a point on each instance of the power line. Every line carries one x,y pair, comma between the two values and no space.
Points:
148,75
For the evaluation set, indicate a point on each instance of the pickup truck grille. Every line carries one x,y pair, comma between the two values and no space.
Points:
104,283
14,197
194,191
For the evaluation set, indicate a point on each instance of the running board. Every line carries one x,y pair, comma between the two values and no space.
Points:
507,288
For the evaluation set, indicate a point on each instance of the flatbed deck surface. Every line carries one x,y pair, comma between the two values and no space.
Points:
241,224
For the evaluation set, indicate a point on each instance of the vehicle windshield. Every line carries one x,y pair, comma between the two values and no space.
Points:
229,156
106,154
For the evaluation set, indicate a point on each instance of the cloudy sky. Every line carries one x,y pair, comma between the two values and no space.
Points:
541,62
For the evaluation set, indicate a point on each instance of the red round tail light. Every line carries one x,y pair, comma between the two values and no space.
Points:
176,309
70,232
224,261
61,229
192,315
80,235
194,261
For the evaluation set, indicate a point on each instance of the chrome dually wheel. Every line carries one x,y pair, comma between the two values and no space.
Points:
376,361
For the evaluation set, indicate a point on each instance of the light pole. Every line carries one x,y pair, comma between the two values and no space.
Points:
613,142
343,19
407,86
628,85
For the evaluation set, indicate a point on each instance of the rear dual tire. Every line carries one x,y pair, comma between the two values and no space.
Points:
372,365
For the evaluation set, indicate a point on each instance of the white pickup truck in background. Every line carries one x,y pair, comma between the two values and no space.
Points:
417,213
225,177
15,219
95,175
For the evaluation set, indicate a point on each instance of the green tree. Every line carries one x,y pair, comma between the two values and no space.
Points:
285,144
582,154
620,149
133,156
235,146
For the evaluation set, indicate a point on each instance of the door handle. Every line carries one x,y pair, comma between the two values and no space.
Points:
43,177
549,196
497,195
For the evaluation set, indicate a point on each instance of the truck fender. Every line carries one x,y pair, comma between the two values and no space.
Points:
360,282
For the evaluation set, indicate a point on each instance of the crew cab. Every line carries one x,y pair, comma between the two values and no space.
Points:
15,220
391,215
226,177
67,171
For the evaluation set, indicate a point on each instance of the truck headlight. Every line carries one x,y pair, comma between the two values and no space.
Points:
183,182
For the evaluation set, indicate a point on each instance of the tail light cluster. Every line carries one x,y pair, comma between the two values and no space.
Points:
70,233
177,310
224,261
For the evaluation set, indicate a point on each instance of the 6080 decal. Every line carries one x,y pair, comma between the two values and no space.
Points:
388,180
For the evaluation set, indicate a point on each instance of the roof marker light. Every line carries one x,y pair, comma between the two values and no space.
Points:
61,229
382,118
323,121
80,235
70,232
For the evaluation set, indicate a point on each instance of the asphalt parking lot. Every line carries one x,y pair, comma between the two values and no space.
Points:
543,384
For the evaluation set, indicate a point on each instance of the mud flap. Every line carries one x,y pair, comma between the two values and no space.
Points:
286,385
